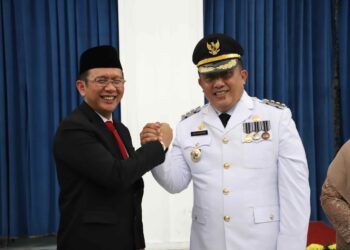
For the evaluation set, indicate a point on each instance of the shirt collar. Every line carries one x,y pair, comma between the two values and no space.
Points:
104,119
230,112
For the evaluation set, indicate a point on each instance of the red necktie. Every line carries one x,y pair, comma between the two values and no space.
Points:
121,146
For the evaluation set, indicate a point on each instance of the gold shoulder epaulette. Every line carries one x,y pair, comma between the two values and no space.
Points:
192,112
274,104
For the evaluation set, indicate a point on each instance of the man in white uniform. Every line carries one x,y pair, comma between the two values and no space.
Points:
244,156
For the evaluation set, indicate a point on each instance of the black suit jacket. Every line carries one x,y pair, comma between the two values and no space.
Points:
100,194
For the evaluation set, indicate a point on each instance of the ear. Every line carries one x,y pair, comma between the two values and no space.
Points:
200,82
244,74
80,87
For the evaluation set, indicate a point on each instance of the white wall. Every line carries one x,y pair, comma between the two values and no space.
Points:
156,41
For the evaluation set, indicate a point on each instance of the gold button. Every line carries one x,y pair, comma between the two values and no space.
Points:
225,140
226,165
227,218
226,191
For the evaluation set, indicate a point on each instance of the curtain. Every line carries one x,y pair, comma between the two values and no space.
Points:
288,54
344,68
40,43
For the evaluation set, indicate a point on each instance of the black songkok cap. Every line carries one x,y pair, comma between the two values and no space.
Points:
104,56
216,53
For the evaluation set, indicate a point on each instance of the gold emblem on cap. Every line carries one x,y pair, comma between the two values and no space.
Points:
214,48
201,126
196,153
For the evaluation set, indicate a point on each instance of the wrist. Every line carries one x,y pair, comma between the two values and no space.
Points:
163,145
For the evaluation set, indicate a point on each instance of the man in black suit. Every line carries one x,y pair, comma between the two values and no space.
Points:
99,172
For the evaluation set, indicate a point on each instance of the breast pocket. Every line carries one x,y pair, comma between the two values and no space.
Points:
266,223
199,215
266,214
259,154
197,152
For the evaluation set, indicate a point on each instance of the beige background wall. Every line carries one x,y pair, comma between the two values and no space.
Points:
156,51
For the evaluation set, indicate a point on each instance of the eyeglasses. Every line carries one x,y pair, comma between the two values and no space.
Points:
104,81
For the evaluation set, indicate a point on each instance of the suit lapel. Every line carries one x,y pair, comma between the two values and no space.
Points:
211,118
101,129
125,137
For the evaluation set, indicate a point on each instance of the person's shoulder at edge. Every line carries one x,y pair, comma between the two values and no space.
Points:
80,117
346,145
270,103
192,112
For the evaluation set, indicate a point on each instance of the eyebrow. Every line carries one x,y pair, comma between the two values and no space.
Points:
111,77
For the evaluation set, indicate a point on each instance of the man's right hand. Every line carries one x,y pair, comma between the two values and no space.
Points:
156,131
150,132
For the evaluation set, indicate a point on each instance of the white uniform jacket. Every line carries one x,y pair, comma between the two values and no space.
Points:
249,192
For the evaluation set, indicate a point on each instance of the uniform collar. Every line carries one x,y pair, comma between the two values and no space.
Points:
240,112
230,112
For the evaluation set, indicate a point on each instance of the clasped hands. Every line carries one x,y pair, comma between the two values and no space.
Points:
157,132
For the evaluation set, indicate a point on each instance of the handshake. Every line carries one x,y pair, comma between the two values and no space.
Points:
157,132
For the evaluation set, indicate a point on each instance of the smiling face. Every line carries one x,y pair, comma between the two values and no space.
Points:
103,98
223,90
